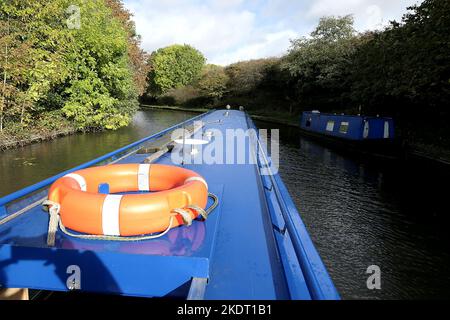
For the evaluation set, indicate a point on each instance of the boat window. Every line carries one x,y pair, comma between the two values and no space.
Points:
386,130
366,129
344,127
308,122
330,126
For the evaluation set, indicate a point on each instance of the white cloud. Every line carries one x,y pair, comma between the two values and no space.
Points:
369,14
273,44
208,29
374,17
232,30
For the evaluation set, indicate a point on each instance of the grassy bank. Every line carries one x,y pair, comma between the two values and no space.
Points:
10,141
48,126
174,108
282,118
279,117
52,125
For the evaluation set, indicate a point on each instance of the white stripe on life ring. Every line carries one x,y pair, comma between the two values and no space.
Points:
144,177
110,215
81,181
197,179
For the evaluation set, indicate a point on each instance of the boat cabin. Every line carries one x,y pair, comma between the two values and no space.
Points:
351,127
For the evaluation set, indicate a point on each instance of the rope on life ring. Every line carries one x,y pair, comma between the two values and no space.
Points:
55,221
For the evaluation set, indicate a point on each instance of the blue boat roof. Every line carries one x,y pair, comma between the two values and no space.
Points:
253,246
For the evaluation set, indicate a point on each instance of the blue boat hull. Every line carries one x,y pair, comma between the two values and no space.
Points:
378,149
253,246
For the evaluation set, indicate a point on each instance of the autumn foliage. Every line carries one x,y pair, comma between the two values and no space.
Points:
74,61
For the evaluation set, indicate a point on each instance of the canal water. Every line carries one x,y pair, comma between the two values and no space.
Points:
25,166
359,213
362,212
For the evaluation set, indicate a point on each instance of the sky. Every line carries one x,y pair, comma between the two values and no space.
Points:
228,31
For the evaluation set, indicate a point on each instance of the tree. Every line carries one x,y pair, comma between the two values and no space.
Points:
408,64
138,58
257,84
17,59
173,67
86,73
404,71
213,82
320,63
331,29
245,76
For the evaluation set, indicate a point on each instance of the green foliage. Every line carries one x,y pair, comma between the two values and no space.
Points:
102,93
319,64
173,67
213,81
399,71
256,84
137,57
86,73
332,29
179,96
245,76
408,64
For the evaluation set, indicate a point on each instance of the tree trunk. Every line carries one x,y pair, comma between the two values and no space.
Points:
2,106
1,115
22,110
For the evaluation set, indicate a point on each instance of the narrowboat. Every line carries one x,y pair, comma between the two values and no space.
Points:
363,134
152,219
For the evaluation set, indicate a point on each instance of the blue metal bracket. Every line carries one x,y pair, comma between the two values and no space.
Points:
103,188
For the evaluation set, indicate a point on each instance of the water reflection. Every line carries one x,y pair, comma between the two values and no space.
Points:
25,166
178,242
360,213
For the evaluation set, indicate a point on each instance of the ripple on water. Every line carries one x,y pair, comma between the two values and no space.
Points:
362,213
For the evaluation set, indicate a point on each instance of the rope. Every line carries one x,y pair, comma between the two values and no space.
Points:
53,209
186,215
201,211
116,238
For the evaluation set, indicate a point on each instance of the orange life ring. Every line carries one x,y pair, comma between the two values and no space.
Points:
85,210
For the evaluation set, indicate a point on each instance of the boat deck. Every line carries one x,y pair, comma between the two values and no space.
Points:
253,246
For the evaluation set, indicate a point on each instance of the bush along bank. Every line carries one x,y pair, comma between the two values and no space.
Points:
85,72
49,126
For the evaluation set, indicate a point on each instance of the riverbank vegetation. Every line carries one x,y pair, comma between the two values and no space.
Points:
67,66
402,71
70,65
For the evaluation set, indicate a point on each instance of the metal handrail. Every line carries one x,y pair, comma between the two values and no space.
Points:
35,187
313,284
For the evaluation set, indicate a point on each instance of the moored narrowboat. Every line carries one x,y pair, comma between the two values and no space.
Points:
365,134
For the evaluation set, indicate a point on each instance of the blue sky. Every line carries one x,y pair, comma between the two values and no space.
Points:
228,31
